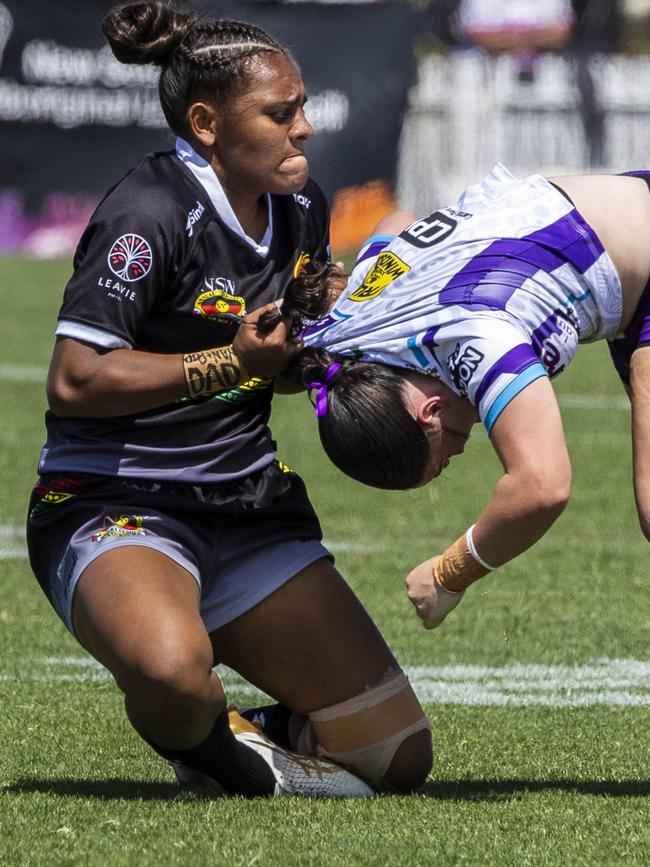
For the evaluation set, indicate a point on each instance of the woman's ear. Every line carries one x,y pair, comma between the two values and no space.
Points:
427,410
202,120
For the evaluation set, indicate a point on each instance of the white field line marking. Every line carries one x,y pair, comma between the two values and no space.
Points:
35,373
594,401
12,544
604,682
22,373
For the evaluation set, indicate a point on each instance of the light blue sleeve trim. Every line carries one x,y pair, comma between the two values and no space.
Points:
374,239
530,374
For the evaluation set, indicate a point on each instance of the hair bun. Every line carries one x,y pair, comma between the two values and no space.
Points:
145,32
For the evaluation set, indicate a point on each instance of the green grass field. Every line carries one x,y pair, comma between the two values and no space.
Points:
537,686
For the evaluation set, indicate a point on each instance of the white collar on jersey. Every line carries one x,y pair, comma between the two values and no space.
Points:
204,174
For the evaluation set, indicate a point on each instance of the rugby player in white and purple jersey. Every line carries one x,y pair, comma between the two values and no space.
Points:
465,315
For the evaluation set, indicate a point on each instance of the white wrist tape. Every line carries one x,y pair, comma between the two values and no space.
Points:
469,538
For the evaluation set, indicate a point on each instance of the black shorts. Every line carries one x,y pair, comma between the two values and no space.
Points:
240,540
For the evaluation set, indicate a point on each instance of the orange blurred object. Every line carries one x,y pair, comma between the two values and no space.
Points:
355,213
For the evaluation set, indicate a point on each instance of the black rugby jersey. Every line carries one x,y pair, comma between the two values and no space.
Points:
159,270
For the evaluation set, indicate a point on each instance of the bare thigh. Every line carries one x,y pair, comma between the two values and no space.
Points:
310,644
137,612
131,599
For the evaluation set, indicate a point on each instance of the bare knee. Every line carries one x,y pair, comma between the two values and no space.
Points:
382,735
166,669
171,695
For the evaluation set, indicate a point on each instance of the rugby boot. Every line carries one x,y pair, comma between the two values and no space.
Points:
307,776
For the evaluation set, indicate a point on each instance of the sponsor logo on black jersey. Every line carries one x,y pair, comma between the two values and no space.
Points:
193,217
130,258
303,201
218,304
387,268
462,366
118,291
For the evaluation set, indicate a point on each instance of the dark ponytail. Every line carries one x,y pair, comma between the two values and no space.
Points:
367,430
307,297
197,58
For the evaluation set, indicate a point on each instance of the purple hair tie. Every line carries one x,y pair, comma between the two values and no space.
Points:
320,401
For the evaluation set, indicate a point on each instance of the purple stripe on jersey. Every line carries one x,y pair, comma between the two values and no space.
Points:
492,276
514,361
323,324
374,249
429,337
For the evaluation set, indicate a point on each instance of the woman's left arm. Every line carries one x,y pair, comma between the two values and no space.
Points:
534,489
639,393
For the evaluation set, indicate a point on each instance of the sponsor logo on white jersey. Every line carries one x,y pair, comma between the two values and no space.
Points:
462,365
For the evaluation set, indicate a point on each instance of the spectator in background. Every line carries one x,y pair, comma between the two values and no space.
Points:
598,30
524,27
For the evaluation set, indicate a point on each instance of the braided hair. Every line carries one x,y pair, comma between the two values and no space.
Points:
196,58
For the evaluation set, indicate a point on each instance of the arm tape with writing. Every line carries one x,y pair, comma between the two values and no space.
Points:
212,370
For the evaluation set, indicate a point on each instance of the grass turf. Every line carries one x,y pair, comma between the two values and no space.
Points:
511,785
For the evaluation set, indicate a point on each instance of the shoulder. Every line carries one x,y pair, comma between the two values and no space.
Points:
154,193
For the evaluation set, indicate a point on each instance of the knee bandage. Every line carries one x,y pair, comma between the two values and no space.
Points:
364,732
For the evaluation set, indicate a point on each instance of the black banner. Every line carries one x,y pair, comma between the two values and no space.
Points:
73,120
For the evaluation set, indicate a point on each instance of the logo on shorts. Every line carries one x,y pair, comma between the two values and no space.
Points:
387,268
65,571
130,258
219,304
54,493
462,366
125,525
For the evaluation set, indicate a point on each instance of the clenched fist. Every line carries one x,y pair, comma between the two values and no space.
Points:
265,354
432,602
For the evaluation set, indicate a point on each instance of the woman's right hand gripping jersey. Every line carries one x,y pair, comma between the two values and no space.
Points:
488,295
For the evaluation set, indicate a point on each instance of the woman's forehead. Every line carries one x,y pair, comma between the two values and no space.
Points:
273,78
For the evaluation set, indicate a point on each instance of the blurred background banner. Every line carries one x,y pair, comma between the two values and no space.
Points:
73,120
411,102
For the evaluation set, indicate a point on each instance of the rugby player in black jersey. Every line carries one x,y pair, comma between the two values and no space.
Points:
163,530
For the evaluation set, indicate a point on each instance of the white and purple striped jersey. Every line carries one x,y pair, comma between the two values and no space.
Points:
488,295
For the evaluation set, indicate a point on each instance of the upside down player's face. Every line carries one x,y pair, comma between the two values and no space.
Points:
448,435
261,138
